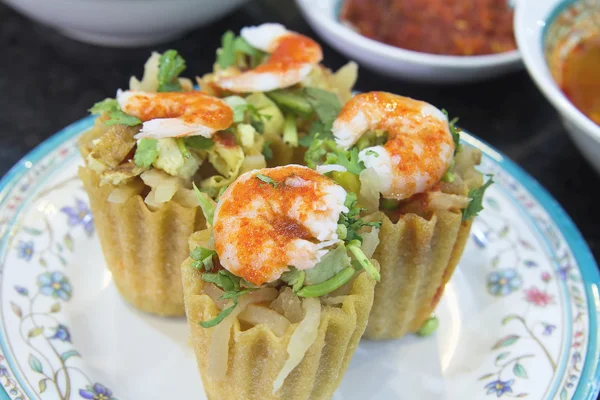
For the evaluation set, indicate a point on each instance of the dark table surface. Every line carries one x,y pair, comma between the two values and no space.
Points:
48,81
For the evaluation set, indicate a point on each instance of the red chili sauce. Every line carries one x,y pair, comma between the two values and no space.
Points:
450,27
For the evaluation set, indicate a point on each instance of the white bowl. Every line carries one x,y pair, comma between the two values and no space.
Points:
322,15
124,22
531,20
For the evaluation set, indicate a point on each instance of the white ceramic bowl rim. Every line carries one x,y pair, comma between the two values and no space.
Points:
531,43
398,53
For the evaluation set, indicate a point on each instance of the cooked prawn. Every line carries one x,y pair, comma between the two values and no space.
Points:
419,149
272,218
292,57
174,114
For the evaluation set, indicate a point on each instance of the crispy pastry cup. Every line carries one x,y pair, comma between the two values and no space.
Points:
417,258
256,354
143,248
418,255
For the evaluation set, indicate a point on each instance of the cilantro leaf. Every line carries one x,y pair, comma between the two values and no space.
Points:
267,151
294,278
106,105
316,128
229,278
352,221
242,46
171,64
267,180
249,112
476,203
233,294
116,115
326,104
318,149
199,142
232,290
246,284
223,279
220,316
454,131
119,117
206,204
347,159
203,258
146,152
226,54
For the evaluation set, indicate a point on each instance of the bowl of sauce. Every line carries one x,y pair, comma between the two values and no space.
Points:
446,27
560,44
431,41
572,49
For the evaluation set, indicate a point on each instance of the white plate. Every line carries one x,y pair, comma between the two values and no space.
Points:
323,16
519,317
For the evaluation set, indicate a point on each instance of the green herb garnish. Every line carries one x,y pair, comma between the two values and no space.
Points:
206,204
326,104
115,114
146,152
476,203
291,100
352,221
203,258
267,180
329,285
185,153
267,151
347,159
355,249
226,54
450,176
170,65
290,131
232,287
454,131
220,317
106,105
199,142
240,45
294,278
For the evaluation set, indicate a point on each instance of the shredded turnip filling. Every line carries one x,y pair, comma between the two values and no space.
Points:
303,337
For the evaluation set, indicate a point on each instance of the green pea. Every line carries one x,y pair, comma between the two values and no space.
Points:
429,327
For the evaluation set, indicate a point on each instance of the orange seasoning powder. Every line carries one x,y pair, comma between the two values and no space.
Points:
268,234
450,27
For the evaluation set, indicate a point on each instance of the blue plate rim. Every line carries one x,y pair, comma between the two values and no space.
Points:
589,384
